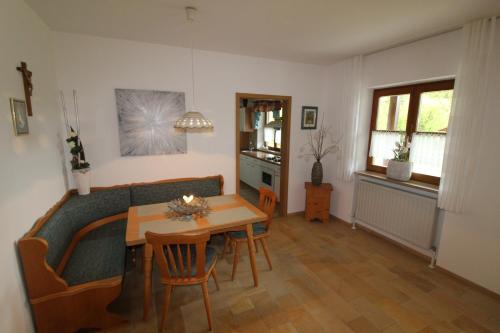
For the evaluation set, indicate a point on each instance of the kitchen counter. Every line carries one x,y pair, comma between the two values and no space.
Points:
261,156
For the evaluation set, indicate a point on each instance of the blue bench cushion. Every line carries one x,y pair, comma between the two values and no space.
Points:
210,257
99,255
258,229
164,192
76,213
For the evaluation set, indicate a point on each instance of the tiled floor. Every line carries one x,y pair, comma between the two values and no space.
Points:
326,278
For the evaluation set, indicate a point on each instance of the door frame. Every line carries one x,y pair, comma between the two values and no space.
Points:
285,144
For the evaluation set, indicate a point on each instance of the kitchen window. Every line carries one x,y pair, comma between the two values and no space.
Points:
272,129
419,112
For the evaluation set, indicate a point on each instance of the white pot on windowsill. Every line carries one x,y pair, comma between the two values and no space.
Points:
399,170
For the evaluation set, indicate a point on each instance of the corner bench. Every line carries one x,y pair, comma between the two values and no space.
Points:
73,258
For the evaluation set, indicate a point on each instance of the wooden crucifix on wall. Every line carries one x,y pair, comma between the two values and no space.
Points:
28,85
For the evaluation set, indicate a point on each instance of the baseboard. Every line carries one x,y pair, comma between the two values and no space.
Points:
299,213
378,235
468,282
335,218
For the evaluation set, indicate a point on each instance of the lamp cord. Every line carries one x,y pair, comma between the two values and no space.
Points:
192,63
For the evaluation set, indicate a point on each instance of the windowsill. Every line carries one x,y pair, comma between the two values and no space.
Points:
411,183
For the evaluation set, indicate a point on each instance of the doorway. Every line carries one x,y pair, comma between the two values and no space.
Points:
263,146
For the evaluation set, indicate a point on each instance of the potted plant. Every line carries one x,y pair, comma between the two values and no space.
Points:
399,167
318,147
79,166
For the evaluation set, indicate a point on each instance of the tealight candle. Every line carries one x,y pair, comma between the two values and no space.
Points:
188,199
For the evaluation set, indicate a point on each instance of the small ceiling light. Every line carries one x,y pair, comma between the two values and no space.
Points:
192,119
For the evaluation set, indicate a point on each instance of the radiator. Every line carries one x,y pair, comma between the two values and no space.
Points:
405,215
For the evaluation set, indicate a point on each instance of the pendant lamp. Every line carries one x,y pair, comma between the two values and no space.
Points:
193,119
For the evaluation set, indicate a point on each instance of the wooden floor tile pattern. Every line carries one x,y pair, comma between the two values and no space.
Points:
326,278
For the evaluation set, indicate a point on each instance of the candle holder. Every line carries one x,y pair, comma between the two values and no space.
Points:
189,207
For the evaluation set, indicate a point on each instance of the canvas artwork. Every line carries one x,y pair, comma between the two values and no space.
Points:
146,122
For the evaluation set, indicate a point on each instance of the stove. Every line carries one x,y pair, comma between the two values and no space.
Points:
274,158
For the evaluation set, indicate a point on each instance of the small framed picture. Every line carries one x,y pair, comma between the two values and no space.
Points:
309,117
19,116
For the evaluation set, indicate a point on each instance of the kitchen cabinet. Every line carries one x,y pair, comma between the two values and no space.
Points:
277,185
252,172
244,169
246,120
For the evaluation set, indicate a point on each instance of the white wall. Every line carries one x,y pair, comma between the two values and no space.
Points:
96,66
31,166
428,59
470,242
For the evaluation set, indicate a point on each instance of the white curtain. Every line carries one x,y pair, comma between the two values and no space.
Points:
349,105
467,113
278,136
427,150
268,134
382,146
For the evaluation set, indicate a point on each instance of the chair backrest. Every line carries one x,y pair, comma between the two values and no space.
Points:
267,204
176,254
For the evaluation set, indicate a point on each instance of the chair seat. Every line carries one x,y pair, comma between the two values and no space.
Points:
258,229
210,257
98,255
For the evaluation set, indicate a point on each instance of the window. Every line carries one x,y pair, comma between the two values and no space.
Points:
272,129
419,112
273,116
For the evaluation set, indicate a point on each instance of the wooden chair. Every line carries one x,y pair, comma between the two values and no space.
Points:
184,260
261,231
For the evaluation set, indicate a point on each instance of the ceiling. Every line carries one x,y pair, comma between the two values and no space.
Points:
309,31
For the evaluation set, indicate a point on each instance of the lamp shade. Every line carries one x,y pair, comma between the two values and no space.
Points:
193,120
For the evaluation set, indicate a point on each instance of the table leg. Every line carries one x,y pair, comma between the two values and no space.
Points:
251,253
148,267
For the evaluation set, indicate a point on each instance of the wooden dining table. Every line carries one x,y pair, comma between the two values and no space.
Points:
227,213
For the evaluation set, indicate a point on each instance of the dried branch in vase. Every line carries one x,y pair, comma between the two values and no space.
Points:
78,161
320,143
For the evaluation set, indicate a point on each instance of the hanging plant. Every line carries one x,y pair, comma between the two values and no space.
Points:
75,145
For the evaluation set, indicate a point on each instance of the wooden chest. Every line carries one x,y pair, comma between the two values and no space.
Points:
318,202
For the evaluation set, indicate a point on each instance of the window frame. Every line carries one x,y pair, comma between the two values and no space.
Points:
415,91
273,148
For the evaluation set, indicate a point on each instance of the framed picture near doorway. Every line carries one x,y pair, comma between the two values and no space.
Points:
309,117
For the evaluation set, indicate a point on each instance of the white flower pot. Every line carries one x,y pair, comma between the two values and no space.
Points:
399,170
82,180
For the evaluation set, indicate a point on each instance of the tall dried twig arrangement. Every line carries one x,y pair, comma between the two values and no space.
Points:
78,161
321,143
